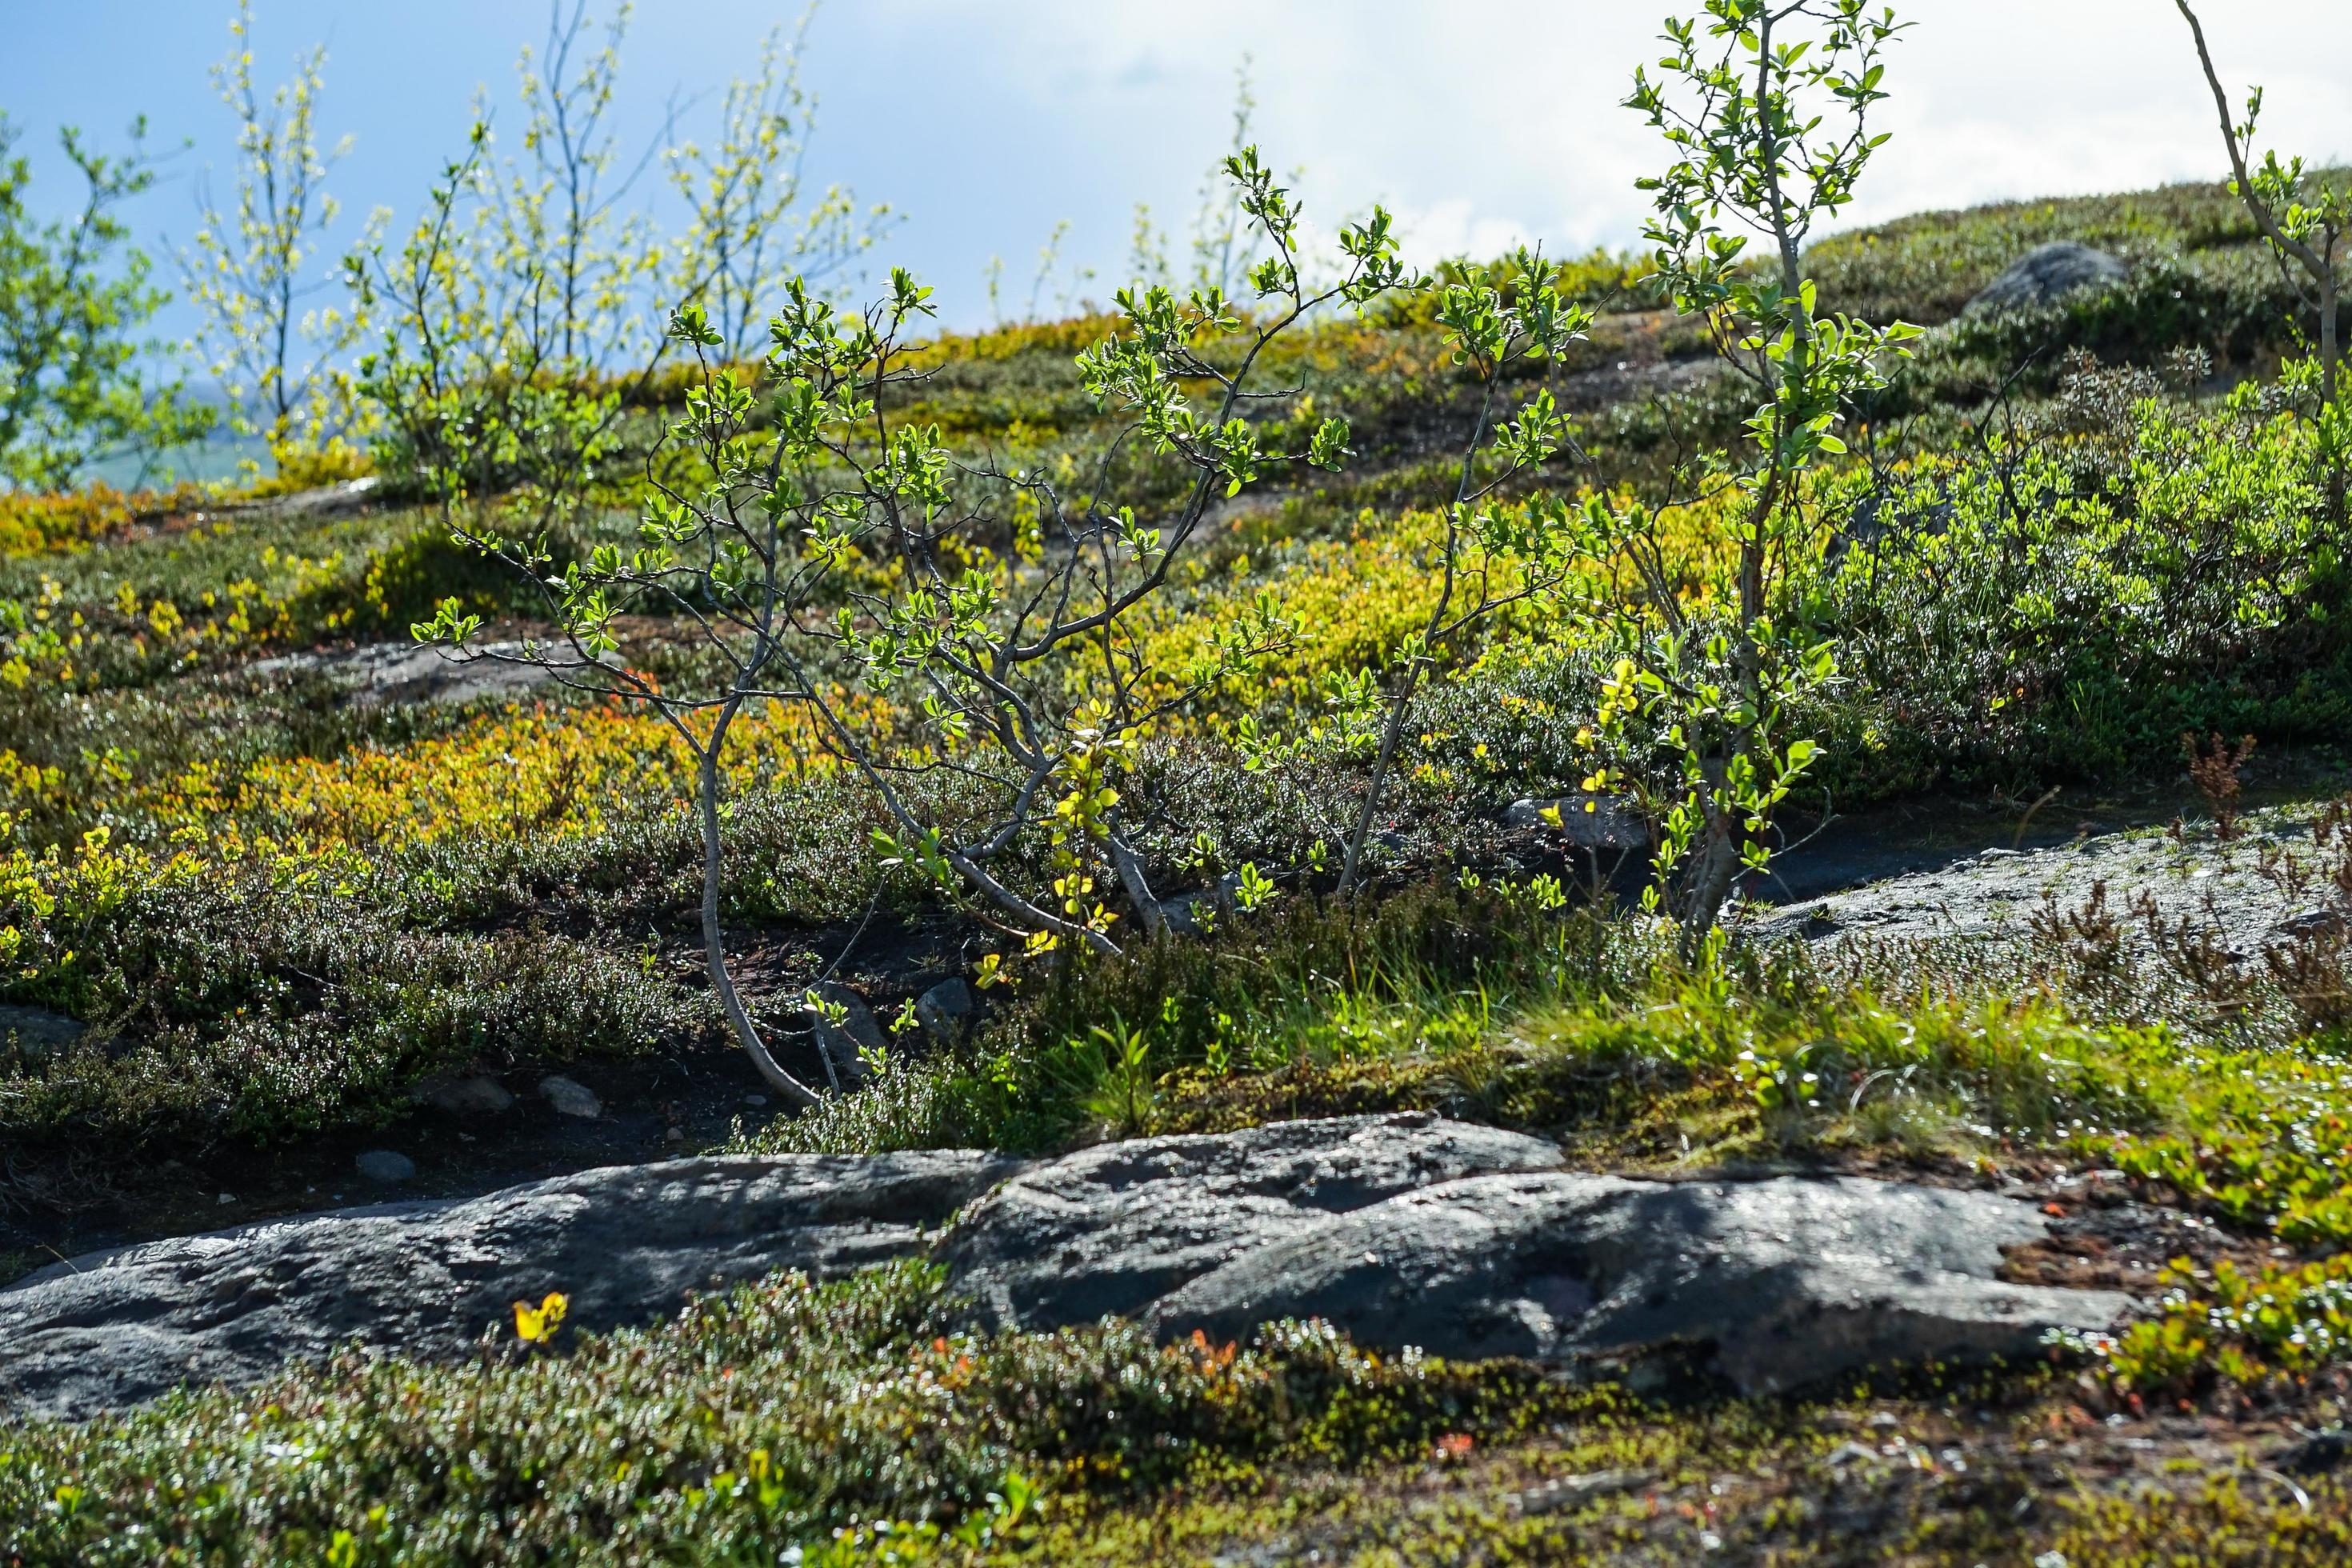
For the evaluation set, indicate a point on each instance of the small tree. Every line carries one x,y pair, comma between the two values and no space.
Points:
1765,104
273,352
72,292
514,315
517,318
2306,224
467,377
826,540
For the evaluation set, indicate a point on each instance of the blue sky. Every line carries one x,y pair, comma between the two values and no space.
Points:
987,121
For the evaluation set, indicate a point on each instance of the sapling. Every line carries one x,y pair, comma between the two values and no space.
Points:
249,271
756,223
517,318
1765,104
995,650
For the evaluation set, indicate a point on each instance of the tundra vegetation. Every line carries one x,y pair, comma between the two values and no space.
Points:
1168,673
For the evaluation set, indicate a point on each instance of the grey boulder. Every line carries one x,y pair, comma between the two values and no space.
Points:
627,1245
384,1165
2047,274
476,1096
1111,1229
945,1010
846,1043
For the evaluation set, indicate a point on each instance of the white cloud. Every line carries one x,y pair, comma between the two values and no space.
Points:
986,122
1485,123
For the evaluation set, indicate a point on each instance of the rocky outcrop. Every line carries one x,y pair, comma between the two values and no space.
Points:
1405,1230
1111,1229
1773,1284
1585,821
2047,274
626,1244
2239,893
406,674
346,499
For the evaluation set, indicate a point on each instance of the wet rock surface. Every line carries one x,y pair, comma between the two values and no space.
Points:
1403,1229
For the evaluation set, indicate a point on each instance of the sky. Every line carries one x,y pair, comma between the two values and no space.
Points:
985,123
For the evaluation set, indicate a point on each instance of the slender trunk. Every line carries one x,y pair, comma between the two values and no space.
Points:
1390,736
1138,887
2331,388
1712,879
714,947
1717,870
1710,885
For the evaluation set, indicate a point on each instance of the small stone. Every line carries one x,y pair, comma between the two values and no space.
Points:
479,1095
2321,1452
37,1033
945,1010
755,1101
569,1097
227,1198
1575,1491
385,1165
846,1043
2309,925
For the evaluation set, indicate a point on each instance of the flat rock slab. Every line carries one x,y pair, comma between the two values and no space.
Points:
1405,1230
1774,1284
401,674
1994,895
627,1244
1466,1241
